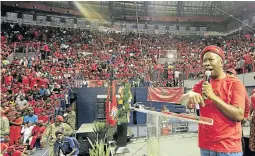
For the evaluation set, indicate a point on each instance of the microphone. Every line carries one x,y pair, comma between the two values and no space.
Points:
208,75
207,79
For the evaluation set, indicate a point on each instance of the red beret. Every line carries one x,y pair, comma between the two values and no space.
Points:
233,71
214,49
60,118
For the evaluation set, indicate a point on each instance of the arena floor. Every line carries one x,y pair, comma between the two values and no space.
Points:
175,145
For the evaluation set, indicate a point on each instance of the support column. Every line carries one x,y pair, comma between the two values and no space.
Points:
179,8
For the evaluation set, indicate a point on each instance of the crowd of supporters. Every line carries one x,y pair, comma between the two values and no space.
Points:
34,88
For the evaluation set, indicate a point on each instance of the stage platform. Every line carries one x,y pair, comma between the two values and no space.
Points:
184,144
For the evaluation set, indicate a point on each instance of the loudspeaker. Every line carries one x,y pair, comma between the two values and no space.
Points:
82,138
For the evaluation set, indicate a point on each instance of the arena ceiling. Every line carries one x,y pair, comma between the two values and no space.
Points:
159,8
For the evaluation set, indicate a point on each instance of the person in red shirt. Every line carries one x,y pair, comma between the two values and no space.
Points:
43,117
8,79
221,99
33,81
37,132
25,80
31,101
248,61
252,123
38,109
5,144
15,128
12,152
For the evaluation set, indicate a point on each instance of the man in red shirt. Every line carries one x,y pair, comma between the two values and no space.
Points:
37,132
12,152
8,79
248,61
224,103
43,117
15,128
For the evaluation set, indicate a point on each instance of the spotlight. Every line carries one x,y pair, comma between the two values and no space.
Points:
15,4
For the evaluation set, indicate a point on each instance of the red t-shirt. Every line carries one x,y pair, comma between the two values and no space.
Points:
46,48
225,134
25,80
44,118
38,110
248,59
33,82
94,66
44,82
32,103
8,80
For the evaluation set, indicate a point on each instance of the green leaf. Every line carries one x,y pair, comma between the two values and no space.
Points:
122,112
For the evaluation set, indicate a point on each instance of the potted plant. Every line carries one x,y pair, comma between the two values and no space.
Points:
122,117
99,148
101,130
98,142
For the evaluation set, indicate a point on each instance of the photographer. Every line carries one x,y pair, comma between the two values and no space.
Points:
68,145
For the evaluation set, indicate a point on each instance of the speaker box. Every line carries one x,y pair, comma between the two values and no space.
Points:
82,138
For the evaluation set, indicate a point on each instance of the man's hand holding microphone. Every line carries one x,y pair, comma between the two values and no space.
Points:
195,98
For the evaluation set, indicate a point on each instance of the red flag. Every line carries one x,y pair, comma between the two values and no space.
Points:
113,106
164,94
